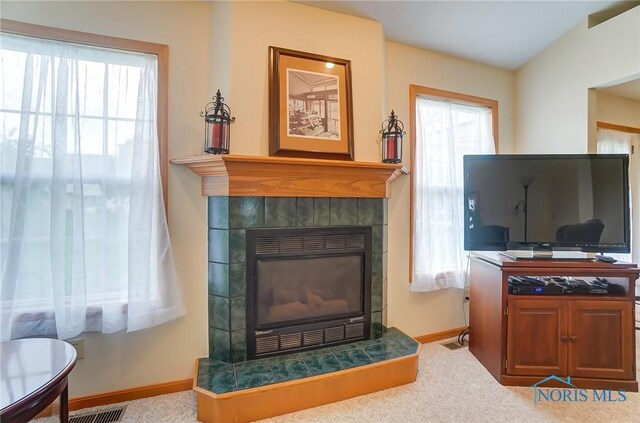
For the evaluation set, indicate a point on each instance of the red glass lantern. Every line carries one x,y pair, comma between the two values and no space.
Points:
392,132
217,117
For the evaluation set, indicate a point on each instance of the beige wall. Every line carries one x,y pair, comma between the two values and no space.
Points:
553,113
257,25
167,352
617,110
423,313
219,45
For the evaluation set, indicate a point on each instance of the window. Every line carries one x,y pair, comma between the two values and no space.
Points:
83,233
445,127
617,139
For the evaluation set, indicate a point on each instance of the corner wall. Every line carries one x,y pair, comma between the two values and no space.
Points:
211,45
553,113
420,313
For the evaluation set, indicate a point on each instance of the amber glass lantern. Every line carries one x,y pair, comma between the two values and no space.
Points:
217,118
392,132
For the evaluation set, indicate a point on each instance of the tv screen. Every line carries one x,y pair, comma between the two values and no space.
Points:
515,202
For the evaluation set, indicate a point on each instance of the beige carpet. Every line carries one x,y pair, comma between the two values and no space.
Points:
452,386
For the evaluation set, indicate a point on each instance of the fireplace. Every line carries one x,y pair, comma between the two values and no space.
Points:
307,288
321,200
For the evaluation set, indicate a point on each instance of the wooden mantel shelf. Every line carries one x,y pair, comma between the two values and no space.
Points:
235,175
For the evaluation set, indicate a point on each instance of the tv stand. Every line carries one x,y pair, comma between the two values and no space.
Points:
522,339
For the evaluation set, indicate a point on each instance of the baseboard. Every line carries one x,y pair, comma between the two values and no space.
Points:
438,336
130,394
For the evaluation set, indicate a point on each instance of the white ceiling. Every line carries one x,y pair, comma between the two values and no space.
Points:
506,34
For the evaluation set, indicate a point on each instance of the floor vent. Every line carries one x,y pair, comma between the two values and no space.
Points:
105,416
454,345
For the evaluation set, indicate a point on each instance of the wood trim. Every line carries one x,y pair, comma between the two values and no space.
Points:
236,175
286,397
130,394
439,336
630,129
414,92
160,50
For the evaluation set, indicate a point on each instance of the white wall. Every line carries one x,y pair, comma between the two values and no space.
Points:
164,353
552,90
424,313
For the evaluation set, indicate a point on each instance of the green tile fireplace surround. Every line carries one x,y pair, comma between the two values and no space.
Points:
287,192
230,216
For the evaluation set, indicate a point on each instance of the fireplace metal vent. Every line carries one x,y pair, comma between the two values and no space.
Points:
267,245
290,340
355,242
354,331
290,244
334,334
266,344
300,244
335,242
314,243
313,337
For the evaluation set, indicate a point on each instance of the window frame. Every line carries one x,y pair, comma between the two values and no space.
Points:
161,51
416,91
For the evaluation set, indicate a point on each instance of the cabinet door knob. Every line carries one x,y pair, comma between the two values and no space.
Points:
573,338
564,338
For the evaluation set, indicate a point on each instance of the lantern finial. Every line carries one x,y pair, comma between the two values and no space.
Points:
217,117
392,132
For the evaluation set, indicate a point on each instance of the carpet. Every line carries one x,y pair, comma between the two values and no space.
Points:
452,386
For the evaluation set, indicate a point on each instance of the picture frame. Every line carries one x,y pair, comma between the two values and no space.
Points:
310,105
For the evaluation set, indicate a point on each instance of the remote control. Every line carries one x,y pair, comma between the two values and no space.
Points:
606,259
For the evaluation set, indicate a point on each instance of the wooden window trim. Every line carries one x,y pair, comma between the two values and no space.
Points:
416,91
160,50
629,129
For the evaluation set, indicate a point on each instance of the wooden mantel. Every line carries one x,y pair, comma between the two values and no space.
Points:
237,176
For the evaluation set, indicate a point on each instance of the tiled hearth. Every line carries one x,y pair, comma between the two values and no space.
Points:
230,217
221,377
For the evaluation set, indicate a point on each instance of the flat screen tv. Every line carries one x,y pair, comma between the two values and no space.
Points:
547,202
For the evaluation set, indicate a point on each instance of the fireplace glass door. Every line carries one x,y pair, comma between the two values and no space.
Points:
308,289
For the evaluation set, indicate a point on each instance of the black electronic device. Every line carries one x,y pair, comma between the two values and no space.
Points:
547,202
527,285
605,259
556,285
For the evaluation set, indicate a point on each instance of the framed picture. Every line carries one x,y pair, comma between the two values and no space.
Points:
310,105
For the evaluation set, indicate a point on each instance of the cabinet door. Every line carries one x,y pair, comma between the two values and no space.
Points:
601,339
534,332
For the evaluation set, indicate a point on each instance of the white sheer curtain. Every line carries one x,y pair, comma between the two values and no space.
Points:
609,141
445,132
84,237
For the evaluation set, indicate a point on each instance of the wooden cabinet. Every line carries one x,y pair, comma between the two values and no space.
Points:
566,337
533,338
522,339
601,340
